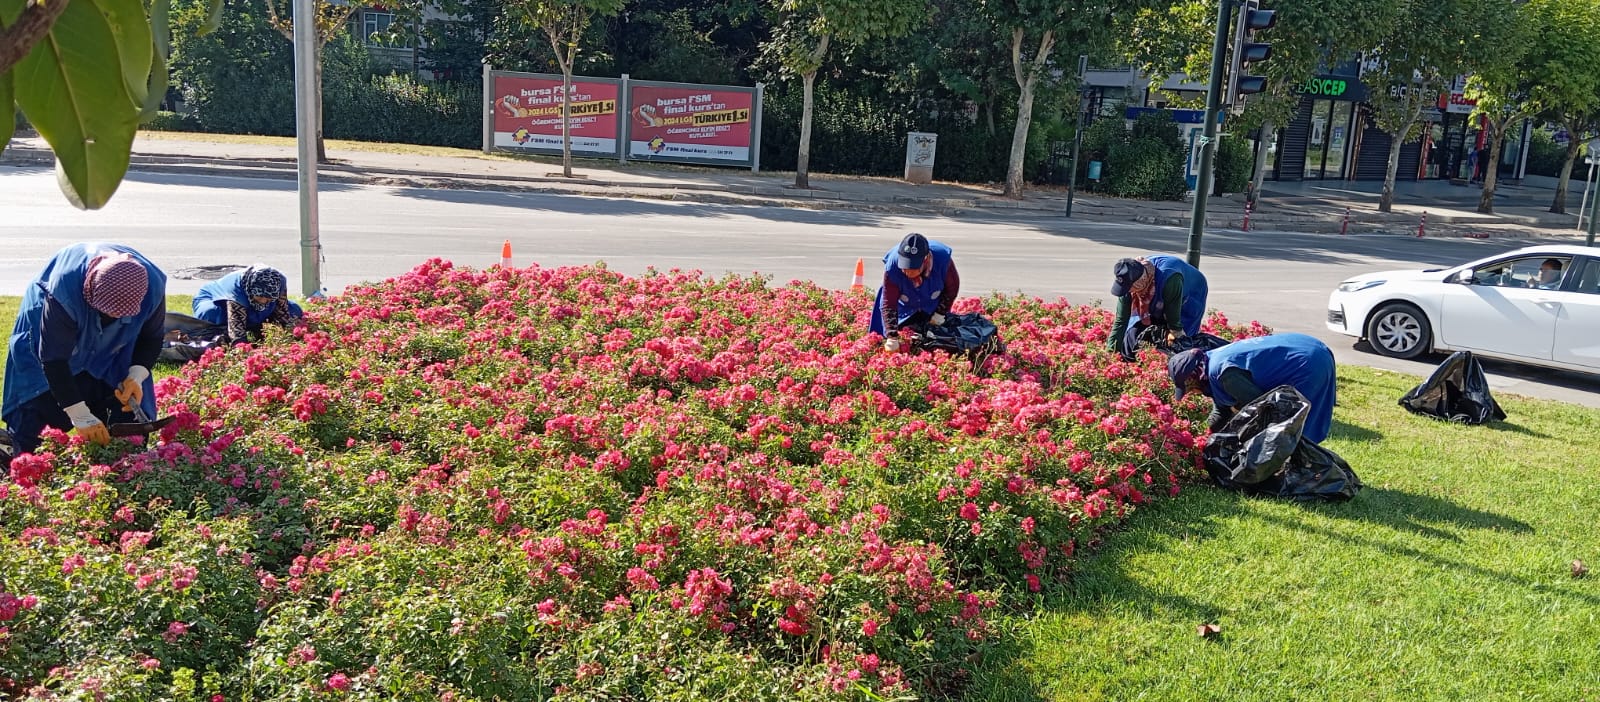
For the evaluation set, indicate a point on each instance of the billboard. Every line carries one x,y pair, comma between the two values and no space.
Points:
683,123
527,114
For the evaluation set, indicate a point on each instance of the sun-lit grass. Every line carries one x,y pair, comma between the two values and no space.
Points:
1448,578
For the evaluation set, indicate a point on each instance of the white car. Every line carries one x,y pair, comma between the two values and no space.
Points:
1539,305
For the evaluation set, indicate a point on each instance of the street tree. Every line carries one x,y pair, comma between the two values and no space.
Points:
331,20
804,30
85,74
563,23
1566,60
1166,37
1417,59
1504,83
1035,29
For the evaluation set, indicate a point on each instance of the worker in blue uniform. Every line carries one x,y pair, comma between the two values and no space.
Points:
1157,290
243,301
920,283
88,330
1237,374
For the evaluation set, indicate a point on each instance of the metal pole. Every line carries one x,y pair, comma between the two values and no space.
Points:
755,129
624,124
1208,147
305,68
488,107
1594,210
1584,208
1077,133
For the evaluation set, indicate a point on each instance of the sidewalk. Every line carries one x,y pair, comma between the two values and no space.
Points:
1316,207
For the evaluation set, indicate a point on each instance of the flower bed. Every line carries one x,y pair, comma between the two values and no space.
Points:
570,484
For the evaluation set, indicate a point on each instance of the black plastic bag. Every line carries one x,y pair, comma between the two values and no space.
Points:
1260,451
971,335
1157,337
186,338
1458,391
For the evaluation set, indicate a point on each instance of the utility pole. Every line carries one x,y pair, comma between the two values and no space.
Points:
305,103
1077,132
1208,140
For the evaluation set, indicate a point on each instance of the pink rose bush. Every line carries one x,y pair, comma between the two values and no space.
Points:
571,484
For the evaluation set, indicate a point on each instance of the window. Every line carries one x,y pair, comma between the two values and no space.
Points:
1590,282
1541,272
375,27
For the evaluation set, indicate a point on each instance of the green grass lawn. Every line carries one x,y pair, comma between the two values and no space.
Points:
1448,578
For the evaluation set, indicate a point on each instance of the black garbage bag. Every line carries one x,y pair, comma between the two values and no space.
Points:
1261,452
1156,336
971,335
1458,391
186,338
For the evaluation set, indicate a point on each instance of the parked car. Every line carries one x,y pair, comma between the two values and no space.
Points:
1538,305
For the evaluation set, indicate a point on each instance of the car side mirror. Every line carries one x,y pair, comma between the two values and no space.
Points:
1466,278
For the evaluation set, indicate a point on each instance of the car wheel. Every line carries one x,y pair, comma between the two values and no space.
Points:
1399,330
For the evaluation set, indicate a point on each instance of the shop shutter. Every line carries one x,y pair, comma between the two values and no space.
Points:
1292,151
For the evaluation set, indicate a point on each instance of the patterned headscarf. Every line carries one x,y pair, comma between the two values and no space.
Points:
115,284
1143,290
264,281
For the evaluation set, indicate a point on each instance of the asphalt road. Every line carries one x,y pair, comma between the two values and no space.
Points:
1279,278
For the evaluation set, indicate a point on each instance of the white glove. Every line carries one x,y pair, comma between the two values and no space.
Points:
937,319
138,373
81,416
891,345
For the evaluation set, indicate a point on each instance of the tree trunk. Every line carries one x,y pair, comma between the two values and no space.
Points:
1491,167
1258,176
1396,145
802,163
1574,148
1027,78
1019,139
29,27
316,75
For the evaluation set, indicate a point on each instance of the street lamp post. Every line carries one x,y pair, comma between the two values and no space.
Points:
1208,141
305,112
1077,133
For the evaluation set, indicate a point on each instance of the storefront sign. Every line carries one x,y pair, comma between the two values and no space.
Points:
527,114
1325,87
691,123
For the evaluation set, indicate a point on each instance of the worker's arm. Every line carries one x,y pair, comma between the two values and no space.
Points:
1119,326
1172,297
1238,388
58,338
952,288
280,314
238,321
891,306
148,346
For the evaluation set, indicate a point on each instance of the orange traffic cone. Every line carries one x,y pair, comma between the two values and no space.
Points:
858,283
505,254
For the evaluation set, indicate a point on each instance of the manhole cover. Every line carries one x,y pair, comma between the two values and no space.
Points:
206,272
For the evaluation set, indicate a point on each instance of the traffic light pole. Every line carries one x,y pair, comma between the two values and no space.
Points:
1208,146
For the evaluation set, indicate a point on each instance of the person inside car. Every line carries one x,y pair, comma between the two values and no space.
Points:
1548,277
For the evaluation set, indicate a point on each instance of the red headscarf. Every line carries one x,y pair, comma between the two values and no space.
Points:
115,284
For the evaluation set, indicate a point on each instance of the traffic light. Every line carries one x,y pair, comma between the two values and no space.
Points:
1251,19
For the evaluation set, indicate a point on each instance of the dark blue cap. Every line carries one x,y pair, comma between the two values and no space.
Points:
1124,274
1184,367
913,250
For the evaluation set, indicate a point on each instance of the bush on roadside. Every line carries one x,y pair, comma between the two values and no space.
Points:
1234,165
171,122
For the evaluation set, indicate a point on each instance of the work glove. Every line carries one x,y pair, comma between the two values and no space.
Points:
89,426
131,392
891,344
937,319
